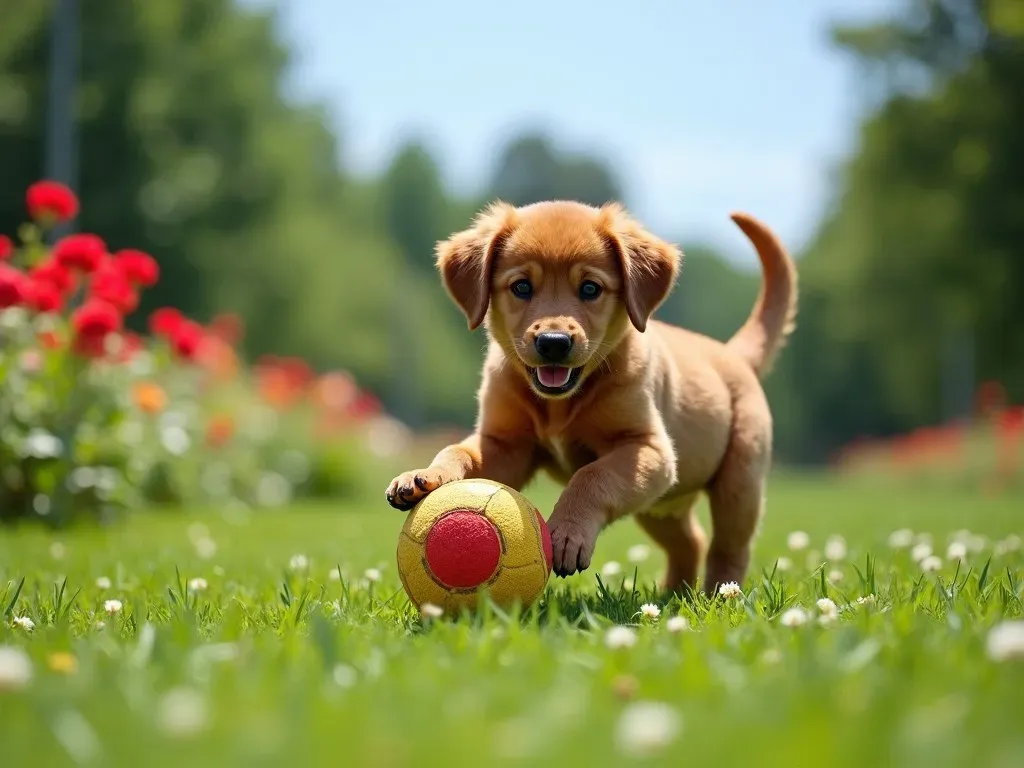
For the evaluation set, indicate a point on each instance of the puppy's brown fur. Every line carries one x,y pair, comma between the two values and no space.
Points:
658,415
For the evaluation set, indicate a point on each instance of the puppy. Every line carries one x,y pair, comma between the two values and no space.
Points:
634,416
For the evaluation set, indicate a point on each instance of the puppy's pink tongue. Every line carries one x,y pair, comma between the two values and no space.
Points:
553,375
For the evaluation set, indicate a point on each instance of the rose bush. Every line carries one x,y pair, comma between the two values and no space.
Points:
96,419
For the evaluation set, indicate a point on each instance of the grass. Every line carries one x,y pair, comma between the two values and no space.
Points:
271,665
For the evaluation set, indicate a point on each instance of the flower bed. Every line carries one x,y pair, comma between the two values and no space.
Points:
96,420
986,451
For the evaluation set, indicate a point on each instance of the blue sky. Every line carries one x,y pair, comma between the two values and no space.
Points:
702,106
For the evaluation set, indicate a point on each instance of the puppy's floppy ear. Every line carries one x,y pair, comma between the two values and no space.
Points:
466,260
649,265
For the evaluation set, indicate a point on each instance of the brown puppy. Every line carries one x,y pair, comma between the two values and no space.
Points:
635,416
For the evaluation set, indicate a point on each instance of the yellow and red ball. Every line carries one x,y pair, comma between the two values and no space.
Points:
473,537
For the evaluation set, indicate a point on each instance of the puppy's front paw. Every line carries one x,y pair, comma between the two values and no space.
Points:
409,487
572,542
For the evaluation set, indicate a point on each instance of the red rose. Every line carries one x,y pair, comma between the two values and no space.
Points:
43,296
54,274
165,321
51,201
6,247
13,287
186,339
110,285
82,252
92,323
140,268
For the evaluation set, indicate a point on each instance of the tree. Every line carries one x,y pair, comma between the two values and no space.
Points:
922,253
530,169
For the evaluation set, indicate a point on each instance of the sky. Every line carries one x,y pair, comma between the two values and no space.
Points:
702,107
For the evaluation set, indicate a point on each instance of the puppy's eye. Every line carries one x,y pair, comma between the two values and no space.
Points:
589,290
522,289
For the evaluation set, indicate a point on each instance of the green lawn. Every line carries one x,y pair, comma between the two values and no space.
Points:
272,664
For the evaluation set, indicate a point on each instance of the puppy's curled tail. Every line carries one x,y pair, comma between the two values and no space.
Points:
773,317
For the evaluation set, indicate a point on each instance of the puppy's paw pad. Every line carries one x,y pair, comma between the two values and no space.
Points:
406,490
572,547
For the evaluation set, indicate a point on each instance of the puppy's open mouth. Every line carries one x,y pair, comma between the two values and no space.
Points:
555,379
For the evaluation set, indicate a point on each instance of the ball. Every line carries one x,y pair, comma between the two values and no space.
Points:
472,537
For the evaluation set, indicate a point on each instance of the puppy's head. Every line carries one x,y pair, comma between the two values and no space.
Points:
559,284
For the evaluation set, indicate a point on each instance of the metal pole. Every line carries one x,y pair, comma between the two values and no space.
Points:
61,160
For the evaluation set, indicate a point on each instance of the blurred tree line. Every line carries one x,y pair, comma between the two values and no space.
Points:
189,147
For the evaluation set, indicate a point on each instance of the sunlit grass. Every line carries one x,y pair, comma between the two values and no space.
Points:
283,638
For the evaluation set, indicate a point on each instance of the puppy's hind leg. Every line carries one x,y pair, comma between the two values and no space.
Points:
737,492
674,528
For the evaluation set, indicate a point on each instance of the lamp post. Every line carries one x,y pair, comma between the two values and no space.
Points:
61,160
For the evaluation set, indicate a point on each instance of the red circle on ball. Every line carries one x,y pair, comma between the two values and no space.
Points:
463,550
545,537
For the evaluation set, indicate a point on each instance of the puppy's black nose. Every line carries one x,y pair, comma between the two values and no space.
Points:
553,347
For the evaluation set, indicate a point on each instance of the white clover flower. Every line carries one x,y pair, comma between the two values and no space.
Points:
112,606
431,611
218,570
976,543
646,728
182,713
798,540
730,590
1010,544
920,552
298,563
794,617
334,574
956,551
175,440
826,619
344,676
866,600
611,569
834,577
57,551
206,548
677,624
619,637
372,574
931,564
650,610
15,668
198,584
103,582
827,607
638,553
40,444
273,490
835,548
23,622
771,656
99,625
783,564
1005,641
901,539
